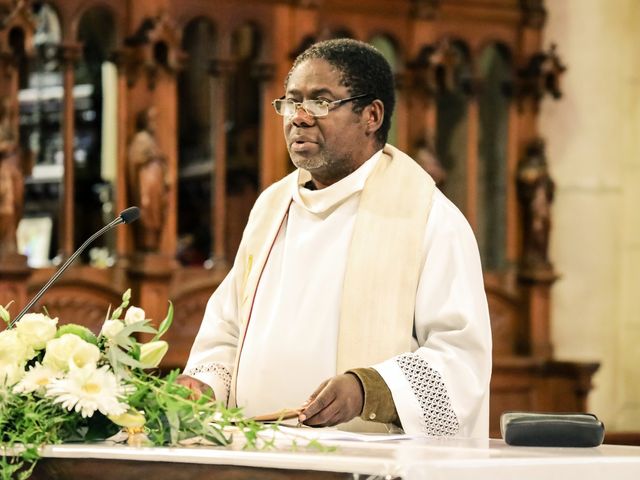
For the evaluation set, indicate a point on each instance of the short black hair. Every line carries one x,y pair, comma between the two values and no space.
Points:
363,70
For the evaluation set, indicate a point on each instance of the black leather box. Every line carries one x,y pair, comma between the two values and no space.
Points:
534,429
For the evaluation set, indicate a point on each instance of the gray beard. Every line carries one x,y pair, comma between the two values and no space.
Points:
326,170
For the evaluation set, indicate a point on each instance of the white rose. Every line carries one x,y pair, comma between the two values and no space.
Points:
36,329
10,374
12,348
111,328
70,348
133,315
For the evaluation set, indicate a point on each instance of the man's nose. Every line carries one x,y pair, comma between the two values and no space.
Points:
301,117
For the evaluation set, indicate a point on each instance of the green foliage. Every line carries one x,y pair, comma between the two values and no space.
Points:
31,420
169,412
79,330
165,324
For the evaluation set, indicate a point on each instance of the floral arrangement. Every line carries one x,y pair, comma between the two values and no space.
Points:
64,384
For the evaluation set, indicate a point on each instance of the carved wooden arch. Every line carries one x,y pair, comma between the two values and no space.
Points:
323,33
20,18
506,53
77,298
163,33
398,48
154,46
330,32
183,23
261,25
186,22
305,43
65,18
436,65
117,14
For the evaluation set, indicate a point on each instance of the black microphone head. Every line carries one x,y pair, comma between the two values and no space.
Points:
130,214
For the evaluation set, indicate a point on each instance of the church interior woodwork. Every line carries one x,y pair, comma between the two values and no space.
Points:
166,105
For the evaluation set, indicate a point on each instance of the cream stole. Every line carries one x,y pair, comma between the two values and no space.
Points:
384,262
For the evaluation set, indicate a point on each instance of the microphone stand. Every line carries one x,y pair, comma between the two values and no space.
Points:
127,216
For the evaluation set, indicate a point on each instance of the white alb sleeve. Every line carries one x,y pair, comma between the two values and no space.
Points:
213,352
442,387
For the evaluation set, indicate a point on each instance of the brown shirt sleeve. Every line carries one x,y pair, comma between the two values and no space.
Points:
378,402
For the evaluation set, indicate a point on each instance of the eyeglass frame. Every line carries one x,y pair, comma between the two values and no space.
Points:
331,105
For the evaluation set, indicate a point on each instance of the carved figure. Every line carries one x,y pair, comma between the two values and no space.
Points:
426,157
11,178
536,190
147,178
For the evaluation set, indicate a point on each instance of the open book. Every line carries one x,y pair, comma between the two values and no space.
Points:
284,414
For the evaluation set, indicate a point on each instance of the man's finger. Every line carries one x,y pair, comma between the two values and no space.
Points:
197,387
326,417
321,400
316,392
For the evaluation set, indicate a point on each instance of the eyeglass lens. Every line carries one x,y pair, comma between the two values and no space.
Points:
315,108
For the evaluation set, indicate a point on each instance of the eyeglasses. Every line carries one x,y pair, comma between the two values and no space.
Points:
314,108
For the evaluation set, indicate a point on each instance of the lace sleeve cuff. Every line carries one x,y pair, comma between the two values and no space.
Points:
216,375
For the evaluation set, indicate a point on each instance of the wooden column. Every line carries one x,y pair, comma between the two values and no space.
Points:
69,54
14,271
220,72
513,231
472,163
122,60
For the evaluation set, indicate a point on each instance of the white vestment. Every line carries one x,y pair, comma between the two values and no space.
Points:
440,387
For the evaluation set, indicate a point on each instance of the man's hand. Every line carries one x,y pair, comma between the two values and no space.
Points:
335,401
196,386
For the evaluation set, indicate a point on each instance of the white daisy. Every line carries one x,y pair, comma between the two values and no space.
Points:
36,379
88,389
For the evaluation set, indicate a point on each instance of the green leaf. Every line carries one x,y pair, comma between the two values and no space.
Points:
79,330
125,359
166,323
174,424
137,327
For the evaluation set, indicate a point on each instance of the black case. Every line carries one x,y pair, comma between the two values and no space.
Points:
533,429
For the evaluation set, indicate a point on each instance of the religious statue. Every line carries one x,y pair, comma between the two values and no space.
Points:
425,155
11,178
148,184
535,191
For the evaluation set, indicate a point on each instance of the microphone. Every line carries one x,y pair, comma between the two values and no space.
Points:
128,215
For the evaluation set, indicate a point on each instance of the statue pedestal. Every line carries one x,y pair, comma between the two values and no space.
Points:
14,273
537,283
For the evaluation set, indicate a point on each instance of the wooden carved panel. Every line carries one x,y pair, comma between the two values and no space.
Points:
190,293
79,303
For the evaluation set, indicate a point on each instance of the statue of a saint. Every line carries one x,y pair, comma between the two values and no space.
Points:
426,156
11,178
535,190
148,185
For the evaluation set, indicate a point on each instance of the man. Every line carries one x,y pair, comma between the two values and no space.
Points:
357,289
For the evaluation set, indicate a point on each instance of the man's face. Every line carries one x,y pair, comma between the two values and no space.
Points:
330,147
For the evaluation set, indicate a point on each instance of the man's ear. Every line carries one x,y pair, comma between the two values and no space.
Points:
375,116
